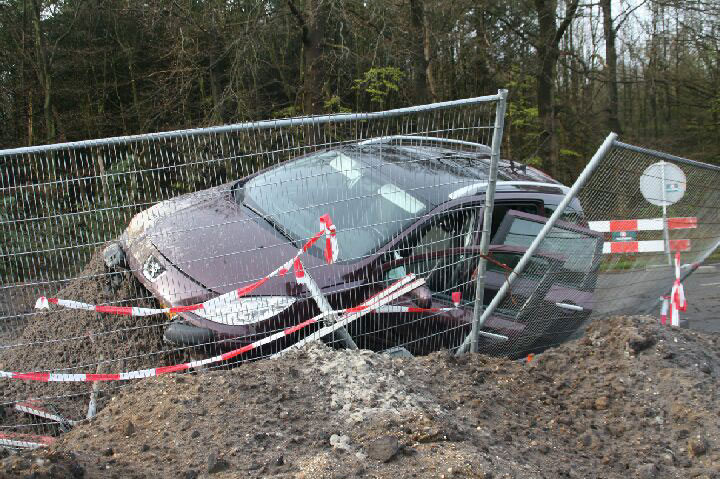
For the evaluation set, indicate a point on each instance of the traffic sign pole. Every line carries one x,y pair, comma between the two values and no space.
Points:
666,233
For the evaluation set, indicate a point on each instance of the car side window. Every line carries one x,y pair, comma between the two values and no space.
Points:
537,265
452,230
446,274
455,229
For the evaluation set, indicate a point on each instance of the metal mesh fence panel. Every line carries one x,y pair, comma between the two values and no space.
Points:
612,250
101,229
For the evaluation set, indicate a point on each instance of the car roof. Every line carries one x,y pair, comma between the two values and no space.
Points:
436,174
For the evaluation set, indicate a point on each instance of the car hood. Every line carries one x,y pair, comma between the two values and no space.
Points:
218,243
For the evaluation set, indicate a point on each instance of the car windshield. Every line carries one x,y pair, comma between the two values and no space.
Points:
367,209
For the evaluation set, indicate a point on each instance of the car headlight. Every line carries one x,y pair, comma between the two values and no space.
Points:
245,311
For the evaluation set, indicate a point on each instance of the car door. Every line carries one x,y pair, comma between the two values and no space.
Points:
580,248
555,297
433,321
441,323
424,252
436,255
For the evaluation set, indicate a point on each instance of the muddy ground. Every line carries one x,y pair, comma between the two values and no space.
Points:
67,340
630,399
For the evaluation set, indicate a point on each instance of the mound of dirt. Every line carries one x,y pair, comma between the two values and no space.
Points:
630,399
83,341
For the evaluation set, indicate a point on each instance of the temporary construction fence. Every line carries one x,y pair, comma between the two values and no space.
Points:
378,234
117,242
648,220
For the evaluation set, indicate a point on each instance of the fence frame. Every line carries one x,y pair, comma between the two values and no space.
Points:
571,194
496,101
602,152
487,219
255,125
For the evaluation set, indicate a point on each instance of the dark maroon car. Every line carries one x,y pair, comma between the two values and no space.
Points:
400,207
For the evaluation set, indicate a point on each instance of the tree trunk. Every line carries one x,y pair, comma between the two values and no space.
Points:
30,136
424,87
428,55
43,70
313,23
575,81
549,151
314,71
611,67
128,50
549,36
419,63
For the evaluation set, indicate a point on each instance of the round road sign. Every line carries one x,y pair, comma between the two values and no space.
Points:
659,192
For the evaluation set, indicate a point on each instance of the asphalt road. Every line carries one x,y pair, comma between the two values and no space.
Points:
702,290
634,292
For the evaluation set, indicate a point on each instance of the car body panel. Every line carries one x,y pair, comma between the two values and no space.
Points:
208,244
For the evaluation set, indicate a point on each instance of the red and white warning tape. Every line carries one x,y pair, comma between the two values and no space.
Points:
394,291
28,441
331,254
677,301
664,309
649,224
32,407
331,244
378,303
456,297
381,299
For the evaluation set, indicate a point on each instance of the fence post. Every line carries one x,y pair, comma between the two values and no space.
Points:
579,183
487,217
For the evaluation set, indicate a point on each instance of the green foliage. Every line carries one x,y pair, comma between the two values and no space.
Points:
334,105
522,123
379,83
568,153
535,161
521,115
287,112
715,104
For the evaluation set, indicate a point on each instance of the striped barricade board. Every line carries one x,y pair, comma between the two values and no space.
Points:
624,234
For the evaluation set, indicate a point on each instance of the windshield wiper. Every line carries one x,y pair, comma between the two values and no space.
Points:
280,228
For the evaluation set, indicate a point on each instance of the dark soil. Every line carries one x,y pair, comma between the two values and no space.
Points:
630,399
82,341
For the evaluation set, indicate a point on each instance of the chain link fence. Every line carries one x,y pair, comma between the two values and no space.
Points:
199,249
612,250
171,220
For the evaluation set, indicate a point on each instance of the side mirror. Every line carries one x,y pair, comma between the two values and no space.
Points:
422,296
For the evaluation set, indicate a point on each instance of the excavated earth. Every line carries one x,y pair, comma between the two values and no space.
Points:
76,341
629,399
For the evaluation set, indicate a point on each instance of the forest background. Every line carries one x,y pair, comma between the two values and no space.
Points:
84,69
647,69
